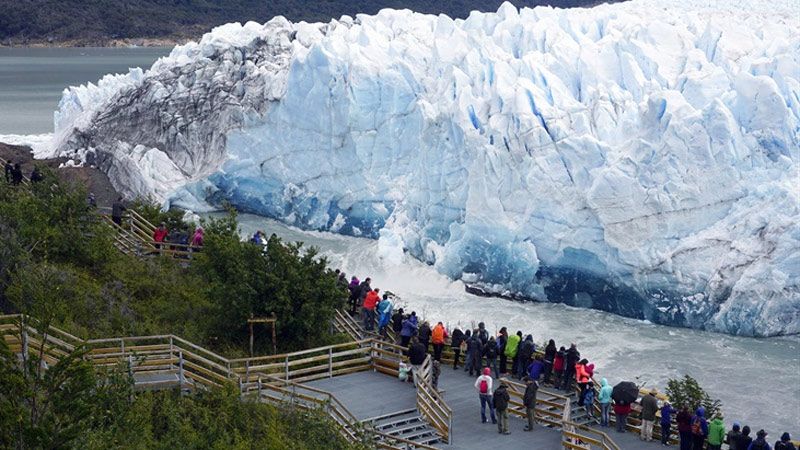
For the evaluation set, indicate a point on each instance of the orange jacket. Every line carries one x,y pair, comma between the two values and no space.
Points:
581,375
439,334
371,300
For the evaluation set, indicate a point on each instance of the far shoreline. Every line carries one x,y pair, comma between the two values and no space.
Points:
163,42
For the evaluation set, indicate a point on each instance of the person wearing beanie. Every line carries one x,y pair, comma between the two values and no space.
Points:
483,384
761,442
732,438
785,443
744,440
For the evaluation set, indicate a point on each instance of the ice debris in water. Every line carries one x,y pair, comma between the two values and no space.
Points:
639,158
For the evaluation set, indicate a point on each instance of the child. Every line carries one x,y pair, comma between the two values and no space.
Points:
588,400
436,370
403,372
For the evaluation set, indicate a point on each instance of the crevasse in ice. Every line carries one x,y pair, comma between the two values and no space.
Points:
639,158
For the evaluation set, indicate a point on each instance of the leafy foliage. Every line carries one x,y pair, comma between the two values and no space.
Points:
99,19
687,391
69,405
58,261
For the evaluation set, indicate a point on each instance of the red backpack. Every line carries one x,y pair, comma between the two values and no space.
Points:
484,387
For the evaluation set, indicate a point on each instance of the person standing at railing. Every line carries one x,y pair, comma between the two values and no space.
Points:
490,353
571,358
524,354
397,323
588,401
197,237
160,234
502,340
409,329
582,377
529,400
370,301
354,291
549,357
649,408
117,208
512,345
475,351
621,411
483,384
455,343
424,334
699,429
684,420
785,443
16,175
716,434
604,397
558,367
438,336
666,421
384,314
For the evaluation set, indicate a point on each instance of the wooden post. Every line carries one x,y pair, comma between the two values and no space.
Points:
286,367
330,362
180,369
251,338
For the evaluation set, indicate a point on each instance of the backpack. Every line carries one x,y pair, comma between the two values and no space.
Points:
484,387
697,427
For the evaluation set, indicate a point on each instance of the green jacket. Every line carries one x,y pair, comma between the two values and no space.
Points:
716,432
512,345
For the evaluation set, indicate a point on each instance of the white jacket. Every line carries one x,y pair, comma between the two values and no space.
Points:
488,382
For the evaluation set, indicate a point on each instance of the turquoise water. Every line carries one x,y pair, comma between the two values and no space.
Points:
32,79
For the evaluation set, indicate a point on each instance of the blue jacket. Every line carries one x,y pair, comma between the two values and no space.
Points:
605,392
666,414
588,399
409,326
535,370
700,415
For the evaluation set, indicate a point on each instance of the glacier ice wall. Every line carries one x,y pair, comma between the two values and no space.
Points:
640,158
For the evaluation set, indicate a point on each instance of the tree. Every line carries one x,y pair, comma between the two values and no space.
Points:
687,391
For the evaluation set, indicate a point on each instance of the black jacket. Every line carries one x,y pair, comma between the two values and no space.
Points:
117,208
474,346
501,398
424,333
363,290
529,399
570,359
416,354
456,338
397,322
549,353
483,335
525,352
490,350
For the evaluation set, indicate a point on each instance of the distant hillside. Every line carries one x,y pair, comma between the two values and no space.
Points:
92,22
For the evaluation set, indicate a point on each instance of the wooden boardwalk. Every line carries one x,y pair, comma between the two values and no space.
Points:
368,395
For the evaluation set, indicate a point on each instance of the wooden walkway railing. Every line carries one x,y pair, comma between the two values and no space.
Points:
170,361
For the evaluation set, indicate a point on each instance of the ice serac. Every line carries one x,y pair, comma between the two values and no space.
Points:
639,158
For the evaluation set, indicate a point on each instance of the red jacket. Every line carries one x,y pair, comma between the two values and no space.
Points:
558,363
371,300
160,234
622,409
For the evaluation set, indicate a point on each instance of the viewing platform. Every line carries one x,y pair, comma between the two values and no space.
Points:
356,383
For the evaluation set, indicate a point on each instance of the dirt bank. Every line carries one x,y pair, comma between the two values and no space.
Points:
92,179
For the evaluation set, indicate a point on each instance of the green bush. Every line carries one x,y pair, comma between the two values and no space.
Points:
687,391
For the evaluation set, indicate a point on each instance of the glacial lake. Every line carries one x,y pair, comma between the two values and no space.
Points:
758,380
32,79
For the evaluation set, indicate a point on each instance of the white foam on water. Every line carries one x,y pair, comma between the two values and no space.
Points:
756,379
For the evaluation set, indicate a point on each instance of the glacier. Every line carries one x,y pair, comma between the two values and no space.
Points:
639,158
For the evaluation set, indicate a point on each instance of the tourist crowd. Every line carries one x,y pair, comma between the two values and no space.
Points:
515,356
